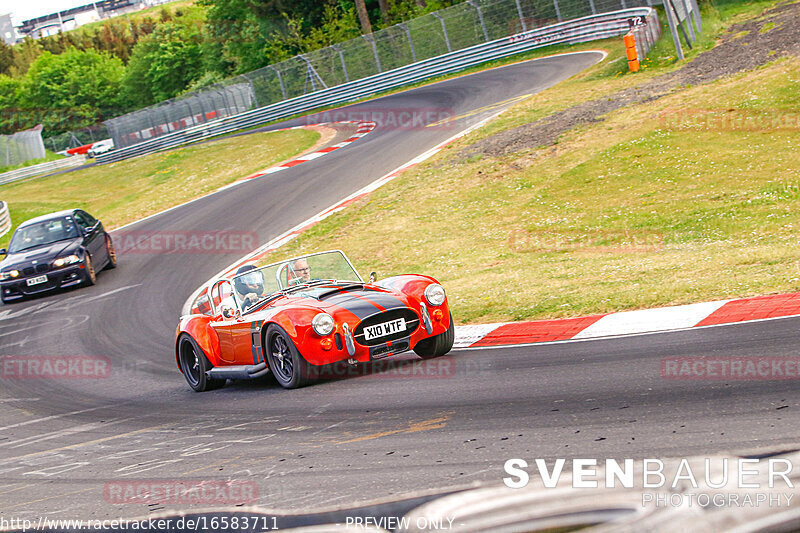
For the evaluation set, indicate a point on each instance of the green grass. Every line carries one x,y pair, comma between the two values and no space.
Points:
122,192
647,208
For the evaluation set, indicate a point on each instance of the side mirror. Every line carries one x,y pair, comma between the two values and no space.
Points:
372,277
88,231
3,251
228,311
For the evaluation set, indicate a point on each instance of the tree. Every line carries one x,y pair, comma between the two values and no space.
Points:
363,17
72,79
6,58
163,64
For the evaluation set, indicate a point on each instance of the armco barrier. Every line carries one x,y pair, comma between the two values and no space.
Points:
5,219
574,31
42,168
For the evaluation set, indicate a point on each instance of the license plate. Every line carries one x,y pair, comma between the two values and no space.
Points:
37,280
387,328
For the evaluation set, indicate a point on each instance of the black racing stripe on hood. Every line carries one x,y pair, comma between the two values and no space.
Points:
365,303
383,299
361,308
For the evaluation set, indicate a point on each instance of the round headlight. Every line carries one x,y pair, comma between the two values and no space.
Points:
434,294
322,324
14,273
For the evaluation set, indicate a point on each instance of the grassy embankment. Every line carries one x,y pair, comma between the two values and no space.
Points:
122,192
646,208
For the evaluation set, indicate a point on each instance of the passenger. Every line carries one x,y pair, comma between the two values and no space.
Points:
250,288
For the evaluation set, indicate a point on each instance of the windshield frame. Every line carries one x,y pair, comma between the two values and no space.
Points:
64,218
292,288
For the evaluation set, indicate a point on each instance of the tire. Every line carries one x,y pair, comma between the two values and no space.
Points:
288,367
90,276
194,365
111,252
439,345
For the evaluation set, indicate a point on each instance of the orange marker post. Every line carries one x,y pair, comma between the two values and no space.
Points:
630,51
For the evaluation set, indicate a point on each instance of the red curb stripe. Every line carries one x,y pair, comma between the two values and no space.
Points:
538,331
755,308
329,149
293,163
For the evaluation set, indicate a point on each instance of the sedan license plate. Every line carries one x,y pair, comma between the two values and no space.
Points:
37,280
387,328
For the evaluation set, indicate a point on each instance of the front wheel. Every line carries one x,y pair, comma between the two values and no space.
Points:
194,365
284,360
438,345
111,252
89,276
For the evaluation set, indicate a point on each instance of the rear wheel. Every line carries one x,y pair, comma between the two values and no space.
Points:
284,360
194,365
89,275
438,345
111,252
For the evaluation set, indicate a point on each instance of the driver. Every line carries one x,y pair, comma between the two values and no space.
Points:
249,287
300,272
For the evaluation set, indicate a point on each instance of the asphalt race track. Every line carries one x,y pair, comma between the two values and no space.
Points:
348,441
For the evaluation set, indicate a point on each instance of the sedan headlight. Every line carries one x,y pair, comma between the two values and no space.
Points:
9,274
68,260
323,324
434,294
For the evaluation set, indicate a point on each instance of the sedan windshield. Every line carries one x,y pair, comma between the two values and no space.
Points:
259,284
42,234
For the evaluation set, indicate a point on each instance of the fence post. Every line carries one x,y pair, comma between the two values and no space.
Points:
341,58
687,7
444,31
591,5
280,80
410,42
697,17
480,17
558,11
673,29
252,89
371,40
521,17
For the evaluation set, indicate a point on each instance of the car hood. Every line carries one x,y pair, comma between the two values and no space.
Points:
40,253
360,302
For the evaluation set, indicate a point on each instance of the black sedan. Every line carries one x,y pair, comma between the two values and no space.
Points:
54,251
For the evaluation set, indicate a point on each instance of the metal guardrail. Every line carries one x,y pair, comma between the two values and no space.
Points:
583,29
5,219
41,168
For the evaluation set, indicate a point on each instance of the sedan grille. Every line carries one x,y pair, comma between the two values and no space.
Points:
412,323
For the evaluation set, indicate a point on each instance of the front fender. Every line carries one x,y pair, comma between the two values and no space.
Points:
199,328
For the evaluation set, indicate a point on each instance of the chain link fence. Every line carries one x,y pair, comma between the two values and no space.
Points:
21,147
454,28
74,139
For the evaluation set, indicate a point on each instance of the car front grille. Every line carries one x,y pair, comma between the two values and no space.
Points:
412,323
37,269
